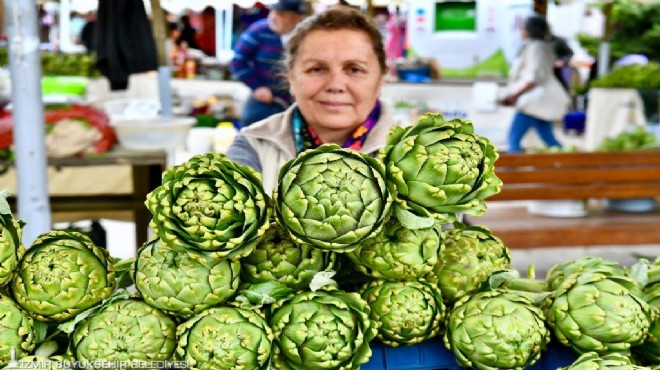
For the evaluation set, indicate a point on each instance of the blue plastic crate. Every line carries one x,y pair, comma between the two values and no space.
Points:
432,355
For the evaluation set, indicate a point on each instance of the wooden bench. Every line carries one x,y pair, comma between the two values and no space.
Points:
562,176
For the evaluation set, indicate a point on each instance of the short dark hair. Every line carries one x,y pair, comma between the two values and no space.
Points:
537,27
335,18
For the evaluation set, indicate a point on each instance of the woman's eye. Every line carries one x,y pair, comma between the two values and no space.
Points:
315,70
355,70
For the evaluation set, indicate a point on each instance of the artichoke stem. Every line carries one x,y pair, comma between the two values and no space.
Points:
527,285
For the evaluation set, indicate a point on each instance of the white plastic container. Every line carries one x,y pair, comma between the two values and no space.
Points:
150,134
223,136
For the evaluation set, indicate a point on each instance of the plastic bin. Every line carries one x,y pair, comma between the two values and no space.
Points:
432,355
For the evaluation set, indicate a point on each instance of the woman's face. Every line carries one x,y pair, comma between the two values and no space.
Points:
335,78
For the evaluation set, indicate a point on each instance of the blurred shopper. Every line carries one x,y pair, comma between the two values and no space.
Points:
538,97
206,37
187,33
335,65
563,55
256,60
88,32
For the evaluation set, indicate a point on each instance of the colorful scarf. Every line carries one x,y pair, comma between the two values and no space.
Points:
305,137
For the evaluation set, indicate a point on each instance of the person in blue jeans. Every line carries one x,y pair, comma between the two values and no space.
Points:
533,89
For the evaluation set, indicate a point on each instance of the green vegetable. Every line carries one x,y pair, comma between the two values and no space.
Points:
592,361
437,169
62,274
398,253
212,204
332,198
471,254
636,139
11,247
183,283
225,338
125,330
407,312
326,329
277,258
600,311
17,332
496,330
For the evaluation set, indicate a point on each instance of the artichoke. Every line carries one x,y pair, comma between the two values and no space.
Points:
332,198
225,338
62,274
407,312
17,331
326,329
277,258
212,204
600,311
123,331
560,271
11,249
470,256
183,283
399,253
439,168
649,351
592,361
496,330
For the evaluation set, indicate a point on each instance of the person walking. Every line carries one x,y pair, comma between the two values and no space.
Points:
533,89
257,55
335,65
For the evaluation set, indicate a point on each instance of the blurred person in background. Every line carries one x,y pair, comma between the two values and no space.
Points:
563,55
88,32
257,55
534,91
335,66
206,36
187,33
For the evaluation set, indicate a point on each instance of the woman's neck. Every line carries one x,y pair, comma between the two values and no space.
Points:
334,136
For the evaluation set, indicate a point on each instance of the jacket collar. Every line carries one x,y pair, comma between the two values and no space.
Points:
277,129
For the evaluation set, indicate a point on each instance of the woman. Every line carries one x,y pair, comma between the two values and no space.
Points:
537,95
335,64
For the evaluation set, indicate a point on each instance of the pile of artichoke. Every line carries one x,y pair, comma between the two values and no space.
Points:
348,249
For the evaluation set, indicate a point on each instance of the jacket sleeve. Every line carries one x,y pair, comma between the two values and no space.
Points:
242,64
241,152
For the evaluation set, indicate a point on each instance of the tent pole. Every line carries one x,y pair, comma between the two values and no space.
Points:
28,117
158,23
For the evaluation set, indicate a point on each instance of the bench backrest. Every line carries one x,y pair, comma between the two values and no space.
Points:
634,174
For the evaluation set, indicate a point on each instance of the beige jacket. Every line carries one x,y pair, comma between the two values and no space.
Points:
272,139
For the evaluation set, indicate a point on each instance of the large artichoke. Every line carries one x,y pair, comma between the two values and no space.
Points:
613,361
225,338
277,258
399,253
11,249
17,331
183,283
326,329
439,168
407,312
471,254
496,330
212,204
332,198
126,330
600,311
62,274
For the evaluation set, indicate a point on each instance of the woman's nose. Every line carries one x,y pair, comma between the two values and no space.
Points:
337,82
